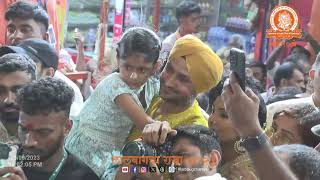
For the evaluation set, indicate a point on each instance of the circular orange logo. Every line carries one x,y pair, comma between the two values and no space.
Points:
284,18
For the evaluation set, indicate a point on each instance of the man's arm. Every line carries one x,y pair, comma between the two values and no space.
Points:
268,165
274,55
242,109
79,40
314,44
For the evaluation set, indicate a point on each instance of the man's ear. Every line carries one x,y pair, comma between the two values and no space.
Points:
46,72
213,159
312,73
46,36
50,72
68,127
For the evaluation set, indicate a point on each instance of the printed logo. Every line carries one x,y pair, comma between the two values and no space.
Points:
284,23
153,169
162,169
171,169
134,169
143,169
125,169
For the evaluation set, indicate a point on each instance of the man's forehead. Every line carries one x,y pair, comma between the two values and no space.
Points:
18,22
195,15
21,22
15,78
180,66
183,144
39,120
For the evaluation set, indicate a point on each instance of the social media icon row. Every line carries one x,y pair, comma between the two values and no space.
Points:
134,169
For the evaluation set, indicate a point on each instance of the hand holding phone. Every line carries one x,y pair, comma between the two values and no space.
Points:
238,65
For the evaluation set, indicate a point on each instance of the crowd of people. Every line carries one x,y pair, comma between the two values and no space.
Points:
178,92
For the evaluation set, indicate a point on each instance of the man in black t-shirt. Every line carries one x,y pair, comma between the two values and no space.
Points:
73,169
43,125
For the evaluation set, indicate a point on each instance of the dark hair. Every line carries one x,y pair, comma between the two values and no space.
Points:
186,8
203,101
303,160
307,116
215,92
13,62
45,96
284,93
139,40
296,57
302,50
258,64
284,71
199,136
237,41
24,10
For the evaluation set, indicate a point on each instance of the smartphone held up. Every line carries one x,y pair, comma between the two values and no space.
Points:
8,154
238,66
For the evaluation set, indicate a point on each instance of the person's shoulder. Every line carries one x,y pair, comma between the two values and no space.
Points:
114,83
169,41
110,81
216,176
61,76
112,78
80,169
170,38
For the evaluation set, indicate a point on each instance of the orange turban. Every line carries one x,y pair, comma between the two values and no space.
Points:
204,66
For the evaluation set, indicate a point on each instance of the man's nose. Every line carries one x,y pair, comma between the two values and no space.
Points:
11,98
30,141
16,37
170,81
18,34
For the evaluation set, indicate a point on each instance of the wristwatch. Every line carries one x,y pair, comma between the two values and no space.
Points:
254,143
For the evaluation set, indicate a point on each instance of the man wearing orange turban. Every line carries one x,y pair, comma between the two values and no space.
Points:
192,68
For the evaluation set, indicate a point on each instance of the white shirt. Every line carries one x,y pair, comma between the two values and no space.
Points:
216,176
77,104
167,45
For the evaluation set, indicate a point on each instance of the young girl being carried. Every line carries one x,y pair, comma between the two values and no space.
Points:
118,103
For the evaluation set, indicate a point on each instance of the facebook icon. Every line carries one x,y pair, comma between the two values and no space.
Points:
134,169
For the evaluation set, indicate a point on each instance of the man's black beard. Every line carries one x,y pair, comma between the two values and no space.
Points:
180,101
11,117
